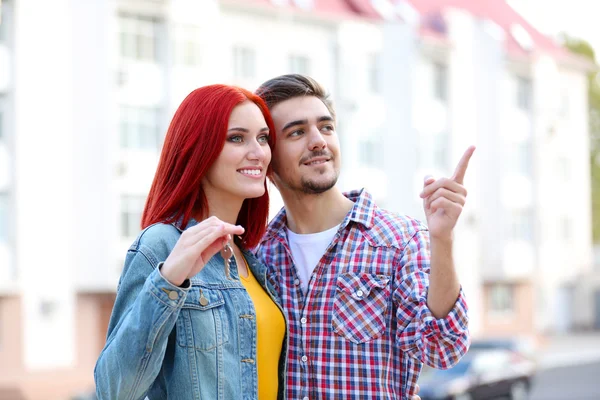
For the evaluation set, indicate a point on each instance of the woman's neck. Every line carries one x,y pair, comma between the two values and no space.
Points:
223,207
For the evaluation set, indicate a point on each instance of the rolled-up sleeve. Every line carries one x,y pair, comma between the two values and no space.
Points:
439,343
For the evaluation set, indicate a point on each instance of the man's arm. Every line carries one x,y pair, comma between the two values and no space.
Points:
443,201
444,287
437,342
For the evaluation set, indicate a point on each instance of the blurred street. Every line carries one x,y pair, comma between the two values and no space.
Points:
575,382
569,368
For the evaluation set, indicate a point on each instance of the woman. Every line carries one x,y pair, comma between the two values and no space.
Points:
184,325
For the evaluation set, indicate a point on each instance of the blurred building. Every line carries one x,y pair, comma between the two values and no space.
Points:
87,90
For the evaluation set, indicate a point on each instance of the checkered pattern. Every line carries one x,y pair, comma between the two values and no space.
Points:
363,329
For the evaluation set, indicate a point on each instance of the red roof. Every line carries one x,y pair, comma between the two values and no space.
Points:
500,13
337,9
432,14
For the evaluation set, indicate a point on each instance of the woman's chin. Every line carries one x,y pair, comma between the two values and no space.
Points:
253,193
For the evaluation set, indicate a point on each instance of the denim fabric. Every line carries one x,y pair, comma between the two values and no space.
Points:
165,341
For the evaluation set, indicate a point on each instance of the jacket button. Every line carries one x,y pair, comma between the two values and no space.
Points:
173,295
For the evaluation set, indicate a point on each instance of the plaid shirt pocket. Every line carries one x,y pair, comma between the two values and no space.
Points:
360,306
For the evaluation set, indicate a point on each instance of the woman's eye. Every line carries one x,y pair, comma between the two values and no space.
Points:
263,139
235,139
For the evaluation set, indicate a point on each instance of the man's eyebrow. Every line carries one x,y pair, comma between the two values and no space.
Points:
294,123
305,121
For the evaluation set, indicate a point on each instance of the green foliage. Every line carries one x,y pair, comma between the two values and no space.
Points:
583,48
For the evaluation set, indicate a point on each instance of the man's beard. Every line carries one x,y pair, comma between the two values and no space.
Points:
312,187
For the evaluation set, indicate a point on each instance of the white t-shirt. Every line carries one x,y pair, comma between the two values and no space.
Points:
307,250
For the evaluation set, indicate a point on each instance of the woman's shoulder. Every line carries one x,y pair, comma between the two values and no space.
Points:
159,238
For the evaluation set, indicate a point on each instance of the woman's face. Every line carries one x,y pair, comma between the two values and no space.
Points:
240,170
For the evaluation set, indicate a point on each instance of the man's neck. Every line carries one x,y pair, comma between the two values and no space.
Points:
312,213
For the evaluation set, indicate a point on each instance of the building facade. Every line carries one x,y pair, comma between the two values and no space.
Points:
87,90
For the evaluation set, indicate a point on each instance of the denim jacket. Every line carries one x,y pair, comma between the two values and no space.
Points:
165,341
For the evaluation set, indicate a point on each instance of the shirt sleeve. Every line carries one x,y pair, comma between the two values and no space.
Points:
439,343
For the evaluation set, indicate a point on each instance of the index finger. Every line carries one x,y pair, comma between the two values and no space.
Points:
461,168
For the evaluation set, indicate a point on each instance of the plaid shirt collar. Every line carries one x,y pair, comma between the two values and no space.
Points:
362,213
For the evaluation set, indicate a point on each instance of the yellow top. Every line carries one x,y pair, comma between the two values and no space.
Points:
270,327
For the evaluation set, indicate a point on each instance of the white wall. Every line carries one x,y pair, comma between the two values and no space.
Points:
44,165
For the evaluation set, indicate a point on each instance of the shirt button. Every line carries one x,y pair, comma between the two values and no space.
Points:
304,359
173,295
303,320
297,282
305,398
359,293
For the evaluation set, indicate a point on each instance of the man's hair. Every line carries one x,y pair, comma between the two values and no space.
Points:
286,87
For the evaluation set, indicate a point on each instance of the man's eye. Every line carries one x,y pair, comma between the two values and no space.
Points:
328,128
297,132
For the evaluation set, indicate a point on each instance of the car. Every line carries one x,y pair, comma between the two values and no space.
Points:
482,374
522,351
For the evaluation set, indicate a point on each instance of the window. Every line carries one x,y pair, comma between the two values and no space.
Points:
563,169
524,93
371,153
521,225
138,38
131,214
501,298
299,65
564,104
187,47
440,81
374,73
434,151
3,217
520,155
244,62
2,21
440,151
139,128
565,228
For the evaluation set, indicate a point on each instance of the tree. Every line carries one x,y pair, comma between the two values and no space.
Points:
584,49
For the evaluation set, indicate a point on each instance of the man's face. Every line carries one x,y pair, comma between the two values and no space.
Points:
307,156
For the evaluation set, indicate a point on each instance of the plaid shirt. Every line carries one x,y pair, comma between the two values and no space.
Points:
363,329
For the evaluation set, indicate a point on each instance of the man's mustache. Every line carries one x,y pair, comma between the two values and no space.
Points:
315,154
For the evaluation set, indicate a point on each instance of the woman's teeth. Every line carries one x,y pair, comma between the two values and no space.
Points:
250,172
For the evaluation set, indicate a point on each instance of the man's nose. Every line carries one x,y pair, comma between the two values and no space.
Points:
317,141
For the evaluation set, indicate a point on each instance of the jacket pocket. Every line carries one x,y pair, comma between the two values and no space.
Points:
202,323
360,305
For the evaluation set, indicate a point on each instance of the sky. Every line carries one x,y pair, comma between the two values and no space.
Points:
579,18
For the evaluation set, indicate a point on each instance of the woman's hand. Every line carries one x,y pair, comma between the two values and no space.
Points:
195,247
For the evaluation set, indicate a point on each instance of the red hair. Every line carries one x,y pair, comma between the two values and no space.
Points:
193,142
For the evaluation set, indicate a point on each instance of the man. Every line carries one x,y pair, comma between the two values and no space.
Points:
369,295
